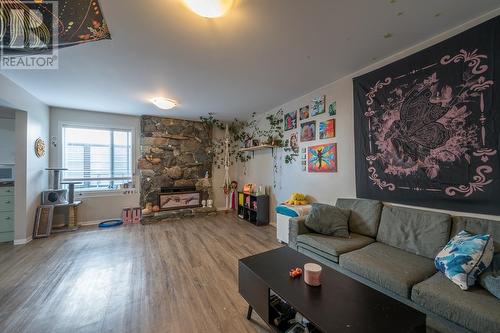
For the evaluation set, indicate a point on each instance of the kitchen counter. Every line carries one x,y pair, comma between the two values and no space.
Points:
6,184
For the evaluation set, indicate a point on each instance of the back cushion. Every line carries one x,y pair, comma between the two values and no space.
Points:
477,226
420,232
365,215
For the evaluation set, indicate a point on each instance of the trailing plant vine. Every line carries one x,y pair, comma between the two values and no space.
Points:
237,134
240,132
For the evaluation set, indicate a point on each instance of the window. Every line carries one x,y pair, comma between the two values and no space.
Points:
98,158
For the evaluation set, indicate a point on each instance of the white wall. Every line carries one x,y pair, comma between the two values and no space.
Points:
328,187
36,175
21,232
97,207
32,122
7,140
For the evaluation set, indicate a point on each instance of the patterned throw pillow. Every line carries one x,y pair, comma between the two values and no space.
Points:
465,257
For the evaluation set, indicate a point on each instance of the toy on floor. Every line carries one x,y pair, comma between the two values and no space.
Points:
295,272
110,223
297,199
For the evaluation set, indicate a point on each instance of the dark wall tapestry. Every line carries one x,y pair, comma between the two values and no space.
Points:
56,24
427,126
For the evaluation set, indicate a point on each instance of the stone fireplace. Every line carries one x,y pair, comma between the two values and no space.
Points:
174,155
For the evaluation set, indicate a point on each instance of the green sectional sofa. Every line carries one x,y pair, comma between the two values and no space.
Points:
392,249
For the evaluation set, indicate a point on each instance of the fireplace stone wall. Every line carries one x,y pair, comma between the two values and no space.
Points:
174,153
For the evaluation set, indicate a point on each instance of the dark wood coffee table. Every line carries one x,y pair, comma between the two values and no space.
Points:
340,304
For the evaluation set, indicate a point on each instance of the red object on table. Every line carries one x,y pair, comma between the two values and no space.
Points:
295,272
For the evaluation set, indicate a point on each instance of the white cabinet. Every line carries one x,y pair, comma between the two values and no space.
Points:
6,214
282,223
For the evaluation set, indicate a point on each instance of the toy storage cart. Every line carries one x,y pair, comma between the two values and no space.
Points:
283,215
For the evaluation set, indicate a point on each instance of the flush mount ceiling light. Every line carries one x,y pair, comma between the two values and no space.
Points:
164,103
209,8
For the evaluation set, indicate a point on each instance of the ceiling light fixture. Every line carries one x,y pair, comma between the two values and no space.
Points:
164,103
209,8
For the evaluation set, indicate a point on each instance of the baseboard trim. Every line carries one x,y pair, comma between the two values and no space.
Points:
23,241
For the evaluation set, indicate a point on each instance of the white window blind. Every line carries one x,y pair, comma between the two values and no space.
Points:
99,158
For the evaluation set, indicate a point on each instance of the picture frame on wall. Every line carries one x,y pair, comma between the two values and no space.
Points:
308,131
304,112
318,106
327,129
294,142
290,120
332,109
322,158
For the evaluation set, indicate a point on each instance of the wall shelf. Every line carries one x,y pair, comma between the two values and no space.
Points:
260,147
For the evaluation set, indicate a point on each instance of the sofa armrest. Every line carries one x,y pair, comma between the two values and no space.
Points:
296,227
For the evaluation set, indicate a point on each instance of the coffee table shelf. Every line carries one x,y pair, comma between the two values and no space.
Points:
340,304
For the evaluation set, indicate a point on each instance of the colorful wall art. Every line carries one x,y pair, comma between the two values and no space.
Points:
322,158
304,112
332,109
427,126
294,142
290,120
327,129
318,106
308,131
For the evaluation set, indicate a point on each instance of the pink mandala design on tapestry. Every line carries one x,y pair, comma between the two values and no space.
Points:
425,126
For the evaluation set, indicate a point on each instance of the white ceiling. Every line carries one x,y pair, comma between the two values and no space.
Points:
262,54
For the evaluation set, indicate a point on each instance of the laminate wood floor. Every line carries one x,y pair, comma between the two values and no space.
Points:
170,277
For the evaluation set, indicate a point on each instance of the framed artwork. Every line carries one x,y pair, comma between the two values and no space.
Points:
426,126
322,158
327,129
290,120
179,200
304,112
332,109
43,221
294,142
318,106
308,131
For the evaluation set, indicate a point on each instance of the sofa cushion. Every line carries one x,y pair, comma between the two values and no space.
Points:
331,247
477,226
417,231
391,268
328,220
365,215
465,257
475,309
490,279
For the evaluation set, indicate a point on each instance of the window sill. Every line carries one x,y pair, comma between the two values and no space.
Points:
105,193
